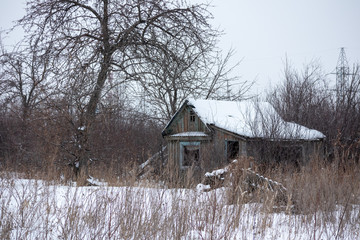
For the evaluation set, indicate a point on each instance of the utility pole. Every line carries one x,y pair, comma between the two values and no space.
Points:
342,75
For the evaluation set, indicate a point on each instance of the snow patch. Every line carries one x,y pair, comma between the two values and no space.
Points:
217,172
96,182
82,128
190,134
33,209
202,187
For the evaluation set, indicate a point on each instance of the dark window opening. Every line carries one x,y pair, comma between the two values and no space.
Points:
191,155
288,154
232,150
192,116
281,153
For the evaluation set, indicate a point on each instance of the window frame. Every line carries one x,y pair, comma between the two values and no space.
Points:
183,146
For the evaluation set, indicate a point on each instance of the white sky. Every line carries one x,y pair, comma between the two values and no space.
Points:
10,10
264,32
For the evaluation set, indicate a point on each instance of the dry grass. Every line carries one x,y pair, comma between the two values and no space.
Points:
322,202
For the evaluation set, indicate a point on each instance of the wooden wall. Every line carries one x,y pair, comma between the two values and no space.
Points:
182,123
212,151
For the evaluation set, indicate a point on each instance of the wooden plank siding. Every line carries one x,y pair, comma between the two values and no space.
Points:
212,149
181,123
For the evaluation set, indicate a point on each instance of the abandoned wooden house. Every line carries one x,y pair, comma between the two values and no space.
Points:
207,134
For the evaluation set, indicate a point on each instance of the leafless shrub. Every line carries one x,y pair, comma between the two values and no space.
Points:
307,99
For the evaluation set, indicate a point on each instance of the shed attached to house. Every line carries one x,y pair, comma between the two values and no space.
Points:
207,134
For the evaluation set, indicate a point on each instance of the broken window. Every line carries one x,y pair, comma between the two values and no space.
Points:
232,150
190,154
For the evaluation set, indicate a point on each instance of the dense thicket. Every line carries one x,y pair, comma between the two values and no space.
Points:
309,98
90,75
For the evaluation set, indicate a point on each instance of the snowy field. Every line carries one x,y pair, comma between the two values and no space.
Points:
35,209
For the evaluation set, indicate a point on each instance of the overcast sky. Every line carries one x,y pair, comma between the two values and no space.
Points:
264,32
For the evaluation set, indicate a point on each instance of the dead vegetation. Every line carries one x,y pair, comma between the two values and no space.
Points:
318,186
317,201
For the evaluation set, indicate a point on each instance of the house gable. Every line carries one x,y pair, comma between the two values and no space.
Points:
186,122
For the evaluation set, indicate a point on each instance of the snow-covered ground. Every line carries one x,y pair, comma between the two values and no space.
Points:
34,209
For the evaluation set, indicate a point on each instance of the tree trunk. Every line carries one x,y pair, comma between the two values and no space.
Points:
89,119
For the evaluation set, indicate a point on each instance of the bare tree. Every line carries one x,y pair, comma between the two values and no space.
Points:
25,74
307,99
193,72
346,112
25,88
112,36
303,97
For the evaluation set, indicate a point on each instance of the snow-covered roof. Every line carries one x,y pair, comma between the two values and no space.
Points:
251,119
190,134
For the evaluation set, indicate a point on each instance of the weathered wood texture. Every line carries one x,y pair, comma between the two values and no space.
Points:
181,123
